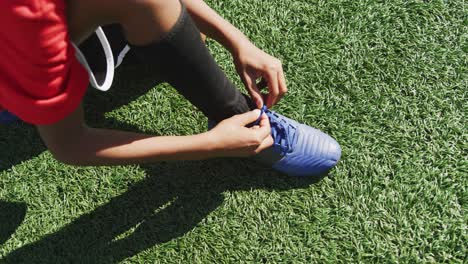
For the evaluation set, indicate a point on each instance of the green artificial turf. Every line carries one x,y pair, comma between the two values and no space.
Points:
387,79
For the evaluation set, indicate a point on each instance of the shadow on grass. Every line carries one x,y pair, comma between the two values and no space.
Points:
18,142
11,217
172,200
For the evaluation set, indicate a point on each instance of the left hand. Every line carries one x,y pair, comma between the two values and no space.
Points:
252,63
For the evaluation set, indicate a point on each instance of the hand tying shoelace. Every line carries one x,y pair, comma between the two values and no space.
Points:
283,132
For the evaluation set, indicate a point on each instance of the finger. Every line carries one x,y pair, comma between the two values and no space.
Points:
282,83
262,85
268,142
265,129
253,90
246,118
273,90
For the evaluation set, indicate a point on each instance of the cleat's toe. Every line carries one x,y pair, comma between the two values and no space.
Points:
314,154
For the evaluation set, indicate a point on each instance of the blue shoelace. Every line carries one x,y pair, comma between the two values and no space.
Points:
283,133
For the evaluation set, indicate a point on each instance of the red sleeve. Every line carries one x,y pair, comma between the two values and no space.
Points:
41,81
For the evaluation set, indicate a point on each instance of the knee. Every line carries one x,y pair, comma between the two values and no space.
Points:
140,10
147,5
147,20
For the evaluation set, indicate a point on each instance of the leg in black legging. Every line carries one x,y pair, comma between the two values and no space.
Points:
186,63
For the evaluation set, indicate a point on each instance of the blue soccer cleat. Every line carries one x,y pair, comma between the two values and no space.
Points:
298,149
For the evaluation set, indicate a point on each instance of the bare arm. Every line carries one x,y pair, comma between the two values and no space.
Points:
72,142
214,26
251,62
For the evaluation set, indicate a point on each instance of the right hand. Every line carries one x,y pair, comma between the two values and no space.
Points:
233,139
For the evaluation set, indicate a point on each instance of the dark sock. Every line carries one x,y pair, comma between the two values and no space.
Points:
186,63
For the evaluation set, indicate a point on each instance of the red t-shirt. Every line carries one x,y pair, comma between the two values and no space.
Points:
41,81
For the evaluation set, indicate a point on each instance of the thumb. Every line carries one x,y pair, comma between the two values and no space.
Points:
264,130
247,118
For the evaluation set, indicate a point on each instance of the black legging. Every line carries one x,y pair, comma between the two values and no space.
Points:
182,59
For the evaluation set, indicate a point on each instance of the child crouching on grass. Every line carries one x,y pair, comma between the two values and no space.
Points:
43,78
